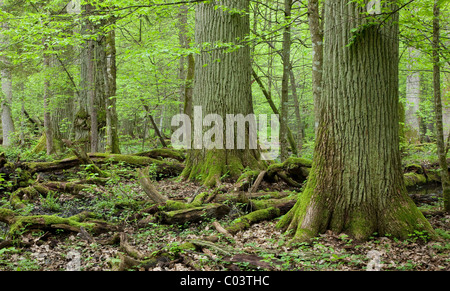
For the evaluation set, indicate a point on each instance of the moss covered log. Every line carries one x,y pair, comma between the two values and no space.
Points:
19,224
244,222
163,154
20,197
161,167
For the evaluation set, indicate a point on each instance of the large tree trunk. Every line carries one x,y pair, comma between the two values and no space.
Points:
91,93
222,86
438,107
82,124
110,77
284,109
356,184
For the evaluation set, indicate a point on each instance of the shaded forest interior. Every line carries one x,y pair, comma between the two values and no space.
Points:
355,161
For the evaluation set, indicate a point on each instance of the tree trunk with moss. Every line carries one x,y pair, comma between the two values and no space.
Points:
356,184
222,86
438,107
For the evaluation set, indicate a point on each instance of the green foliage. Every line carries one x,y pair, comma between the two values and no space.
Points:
51,201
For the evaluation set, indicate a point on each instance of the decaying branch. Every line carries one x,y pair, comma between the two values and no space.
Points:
148,187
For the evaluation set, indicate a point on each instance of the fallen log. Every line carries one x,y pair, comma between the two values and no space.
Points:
161,168
19,224
86,160
293,171
244,222
244,197
21,196
195,214
127,263
163,154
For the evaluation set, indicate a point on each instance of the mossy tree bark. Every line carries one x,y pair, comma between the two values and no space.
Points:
222,86
356,184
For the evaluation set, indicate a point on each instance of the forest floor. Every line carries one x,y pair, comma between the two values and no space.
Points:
261,247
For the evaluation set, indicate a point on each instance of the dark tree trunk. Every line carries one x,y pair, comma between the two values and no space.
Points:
222,86
356,184
438,108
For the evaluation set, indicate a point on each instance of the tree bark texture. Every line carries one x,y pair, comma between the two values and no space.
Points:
356,184
222,86
284,107
110,77
316,31
438,107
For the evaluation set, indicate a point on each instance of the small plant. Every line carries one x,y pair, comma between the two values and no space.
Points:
51,202
175,249
346,239
419,235
4,184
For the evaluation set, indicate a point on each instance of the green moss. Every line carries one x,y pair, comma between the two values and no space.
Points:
214,167
412,179
198,200
274,167
266,203
41,144
433,176
188,246
7,214
164,153
244,222
246,179
405,219
296,214
248,176
361,226
294,161
16,197
172,205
